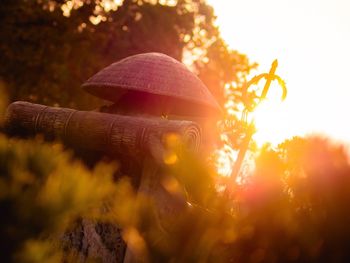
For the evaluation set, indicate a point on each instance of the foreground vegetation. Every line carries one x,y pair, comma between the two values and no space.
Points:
292,208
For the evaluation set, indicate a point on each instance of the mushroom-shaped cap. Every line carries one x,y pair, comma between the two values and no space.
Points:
157,77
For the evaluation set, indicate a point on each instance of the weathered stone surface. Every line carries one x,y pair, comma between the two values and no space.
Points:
95,241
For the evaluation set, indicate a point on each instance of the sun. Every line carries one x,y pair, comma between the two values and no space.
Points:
269,118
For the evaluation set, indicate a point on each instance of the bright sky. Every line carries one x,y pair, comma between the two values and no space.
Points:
311,40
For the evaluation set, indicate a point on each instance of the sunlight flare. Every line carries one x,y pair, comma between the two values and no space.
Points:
312,50
225,158
268,118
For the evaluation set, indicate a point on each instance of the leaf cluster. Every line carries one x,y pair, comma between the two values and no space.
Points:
42,191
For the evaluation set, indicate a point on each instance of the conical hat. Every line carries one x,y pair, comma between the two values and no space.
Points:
152,73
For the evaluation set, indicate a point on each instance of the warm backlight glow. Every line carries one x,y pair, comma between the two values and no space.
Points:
224,160
311,41
268,118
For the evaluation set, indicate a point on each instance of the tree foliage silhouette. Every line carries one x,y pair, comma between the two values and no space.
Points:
47,52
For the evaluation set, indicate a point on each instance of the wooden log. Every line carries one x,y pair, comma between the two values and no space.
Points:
104,132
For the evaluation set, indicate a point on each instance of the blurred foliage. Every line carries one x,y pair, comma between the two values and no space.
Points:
292,208
3,101
50,47
42,190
